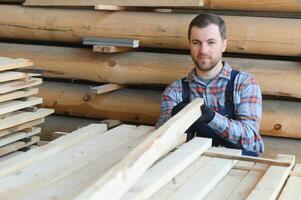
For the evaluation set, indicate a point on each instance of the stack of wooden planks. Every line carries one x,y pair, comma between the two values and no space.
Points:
130,162
18,108
264,40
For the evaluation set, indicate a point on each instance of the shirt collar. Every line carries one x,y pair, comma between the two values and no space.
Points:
224,73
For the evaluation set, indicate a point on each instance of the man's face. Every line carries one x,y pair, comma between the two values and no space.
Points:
206,47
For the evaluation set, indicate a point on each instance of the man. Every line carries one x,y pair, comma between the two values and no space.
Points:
232,100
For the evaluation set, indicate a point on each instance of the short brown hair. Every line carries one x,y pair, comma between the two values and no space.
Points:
204,20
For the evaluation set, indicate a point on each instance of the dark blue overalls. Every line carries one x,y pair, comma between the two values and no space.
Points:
201,129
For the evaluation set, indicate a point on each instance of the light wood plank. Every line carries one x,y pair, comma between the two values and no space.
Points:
23,117
61,3
166,169
17,85
72,159
18,94
10,155
124,138
12,75
18,136
110,49
8,64
292,187
17,145
105,88
14,105
273,180
52,148
131,168
21,126
205,179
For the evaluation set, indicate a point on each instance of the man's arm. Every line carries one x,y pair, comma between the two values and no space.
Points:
244,130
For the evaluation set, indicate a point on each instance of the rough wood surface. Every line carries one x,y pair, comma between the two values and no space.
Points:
252,35
148,68
143,106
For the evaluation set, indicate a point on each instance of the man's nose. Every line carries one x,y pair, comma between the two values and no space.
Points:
204,48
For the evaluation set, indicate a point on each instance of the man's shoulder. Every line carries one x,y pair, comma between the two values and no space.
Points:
244,77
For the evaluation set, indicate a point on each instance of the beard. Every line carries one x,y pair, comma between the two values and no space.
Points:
203,66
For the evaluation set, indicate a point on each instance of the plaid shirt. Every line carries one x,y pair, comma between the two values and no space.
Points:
244,130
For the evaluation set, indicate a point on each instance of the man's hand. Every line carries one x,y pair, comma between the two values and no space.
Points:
179,107
207,114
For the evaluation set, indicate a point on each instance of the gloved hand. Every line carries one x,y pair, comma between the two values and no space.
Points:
207,114
179,107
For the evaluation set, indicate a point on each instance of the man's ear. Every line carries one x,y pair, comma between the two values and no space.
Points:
224,44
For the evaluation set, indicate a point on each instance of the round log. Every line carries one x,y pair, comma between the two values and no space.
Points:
280,78
280,118
253,35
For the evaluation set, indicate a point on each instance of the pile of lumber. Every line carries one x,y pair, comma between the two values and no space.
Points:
18,108
130,162
264,40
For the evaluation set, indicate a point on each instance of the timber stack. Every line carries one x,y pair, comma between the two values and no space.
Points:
18,108
264,39
91,162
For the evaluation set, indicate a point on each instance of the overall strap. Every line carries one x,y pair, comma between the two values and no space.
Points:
229,102
186,90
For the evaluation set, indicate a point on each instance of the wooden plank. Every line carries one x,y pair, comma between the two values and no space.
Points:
8,64
12,75
19,94
274,162
273,180
23,117
205,179
17,145
101,155
154,3
10,155
17,85
292,188
130,169
245,187
21,126
105,88
18,136
110,49
52,148
14,105
167,168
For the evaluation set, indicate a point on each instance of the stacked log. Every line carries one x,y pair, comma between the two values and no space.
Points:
265,36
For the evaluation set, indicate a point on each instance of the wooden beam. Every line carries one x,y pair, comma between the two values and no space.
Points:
14,75
8,64
171,34
23,93
110,49
115,42
18,135
167,168
61,3
105,88
251,159
19,162
17,145
148,68
17,85
14,105
132,167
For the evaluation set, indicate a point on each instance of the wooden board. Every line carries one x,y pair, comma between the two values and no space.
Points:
17,145
14,75
18,136
19,127
14,105
26,92
280,36
129,169
23,117
8,64
105,88
61,3
17,85
292,188
167,168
